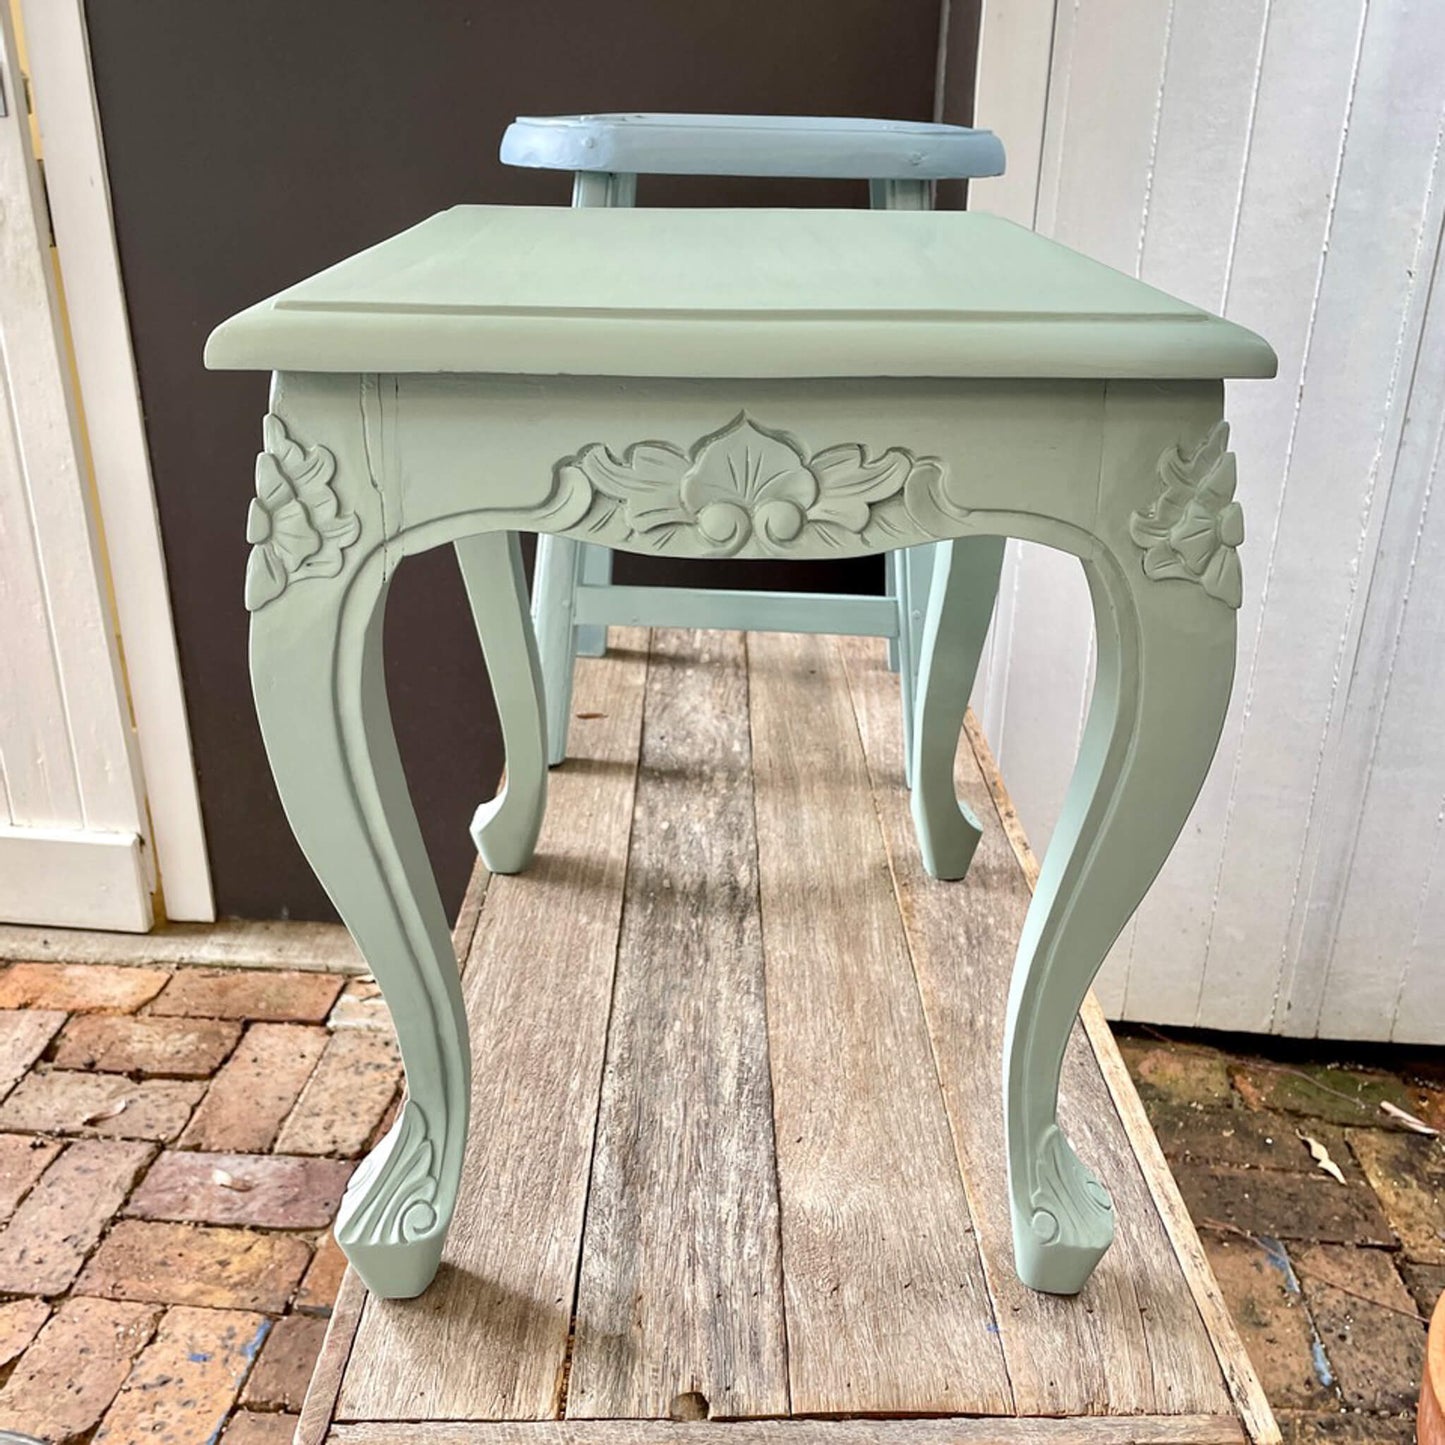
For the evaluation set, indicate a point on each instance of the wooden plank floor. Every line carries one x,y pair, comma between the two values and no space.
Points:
735,1167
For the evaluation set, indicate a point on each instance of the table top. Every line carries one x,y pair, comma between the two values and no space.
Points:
731,293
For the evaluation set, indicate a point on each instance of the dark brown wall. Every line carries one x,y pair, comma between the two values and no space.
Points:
252,142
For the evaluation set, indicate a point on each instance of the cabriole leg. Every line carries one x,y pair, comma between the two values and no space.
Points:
554,603
316,671
1165,668
960,607
505,829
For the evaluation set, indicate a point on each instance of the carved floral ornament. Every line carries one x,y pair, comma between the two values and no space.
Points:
746,482
1192,529
295,526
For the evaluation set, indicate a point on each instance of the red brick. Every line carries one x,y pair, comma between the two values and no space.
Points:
256,1089
24,1034
79,987
269,1191
1361,1309
196,1264
1318,1091
73,1371
249,1428
1286,1206
20,1321
1247,1139
1182,1073
1407,1172
65,1101
1342,1427
276,995
1263,1294
122,1044
185,1381
288,1357
360,1006
355,1081
323,1279
45,1244
23,1159
1426,1282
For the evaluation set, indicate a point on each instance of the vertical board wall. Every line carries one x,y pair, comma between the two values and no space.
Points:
1278,161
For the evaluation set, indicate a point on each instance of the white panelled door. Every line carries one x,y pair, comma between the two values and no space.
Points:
73,848
1281,162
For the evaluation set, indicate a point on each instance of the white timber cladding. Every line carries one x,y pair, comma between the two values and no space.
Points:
58,57
71,807
1278,162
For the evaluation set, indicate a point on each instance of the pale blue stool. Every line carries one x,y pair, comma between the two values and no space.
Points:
573,597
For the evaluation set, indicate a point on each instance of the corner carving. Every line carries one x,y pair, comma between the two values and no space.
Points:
295,525
749,488
1194,526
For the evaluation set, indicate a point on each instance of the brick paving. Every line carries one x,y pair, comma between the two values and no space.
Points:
1330,1282
173,1147
174,1142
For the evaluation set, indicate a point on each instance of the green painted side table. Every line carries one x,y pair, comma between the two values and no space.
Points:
735,383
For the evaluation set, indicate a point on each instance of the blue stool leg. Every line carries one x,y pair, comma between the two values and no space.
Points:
906,577
595,570
913,579
890,589
554,598
589,188
960,606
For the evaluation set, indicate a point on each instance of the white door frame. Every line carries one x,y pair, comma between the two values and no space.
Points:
73,830
58,55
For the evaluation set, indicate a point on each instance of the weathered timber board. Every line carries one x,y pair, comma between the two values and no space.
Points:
488,1339
888,1311
682,1282
1132,1430
772,934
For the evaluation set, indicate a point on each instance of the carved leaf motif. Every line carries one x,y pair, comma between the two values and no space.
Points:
1067,1199
746,482
395,1185
295,523
1191,530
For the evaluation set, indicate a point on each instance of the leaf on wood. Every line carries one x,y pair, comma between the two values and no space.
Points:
1406,1119
590,716
107,1111
229,1181
1321,1156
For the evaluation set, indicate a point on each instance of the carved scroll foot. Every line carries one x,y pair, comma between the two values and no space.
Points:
1064,1223
1166,649
505,829
960,606
393,1218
